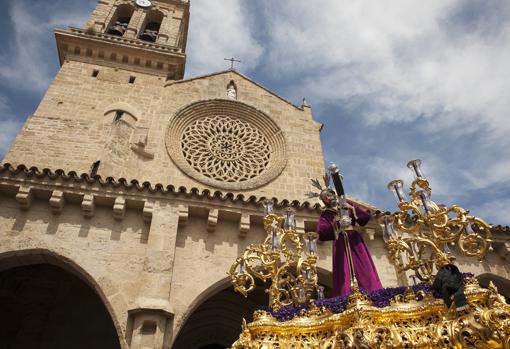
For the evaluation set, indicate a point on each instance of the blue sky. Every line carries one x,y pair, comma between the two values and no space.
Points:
390,80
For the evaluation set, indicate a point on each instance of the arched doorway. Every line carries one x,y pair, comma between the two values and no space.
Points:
45,306
215,323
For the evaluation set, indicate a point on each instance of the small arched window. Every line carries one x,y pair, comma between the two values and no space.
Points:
120,20
118,115
151,26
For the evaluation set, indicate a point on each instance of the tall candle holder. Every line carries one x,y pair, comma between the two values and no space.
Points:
286,258
418,235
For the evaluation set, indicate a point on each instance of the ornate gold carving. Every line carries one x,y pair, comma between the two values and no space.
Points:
425,230
278,258
407,323
226,144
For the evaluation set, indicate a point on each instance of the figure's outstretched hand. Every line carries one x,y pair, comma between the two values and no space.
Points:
341,223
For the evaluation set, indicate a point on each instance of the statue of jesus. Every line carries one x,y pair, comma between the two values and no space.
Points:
332,227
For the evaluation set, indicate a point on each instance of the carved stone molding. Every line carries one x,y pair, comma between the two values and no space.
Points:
226,144
57,201
24,197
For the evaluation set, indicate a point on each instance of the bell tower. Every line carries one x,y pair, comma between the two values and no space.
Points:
109,89
146,36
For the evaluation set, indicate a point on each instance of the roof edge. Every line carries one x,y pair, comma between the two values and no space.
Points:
241,75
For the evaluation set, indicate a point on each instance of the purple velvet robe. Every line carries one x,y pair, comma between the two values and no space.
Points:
364,267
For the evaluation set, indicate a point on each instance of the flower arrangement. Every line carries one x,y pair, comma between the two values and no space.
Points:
380,298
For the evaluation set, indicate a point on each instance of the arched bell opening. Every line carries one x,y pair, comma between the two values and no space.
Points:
120,20
151,26
50,305
215,321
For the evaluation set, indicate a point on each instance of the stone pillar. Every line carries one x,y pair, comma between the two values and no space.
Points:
151,317
169,31
151,328
135,24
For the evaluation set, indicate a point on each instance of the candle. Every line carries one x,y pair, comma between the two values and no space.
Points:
311,242
469,229
424,201
308,275
241,267
320,292
268,207
274,240
388,232
290,220
396,186
415,167
301,295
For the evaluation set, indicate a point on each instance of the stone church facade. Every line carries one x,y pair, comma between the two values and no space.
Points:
130,191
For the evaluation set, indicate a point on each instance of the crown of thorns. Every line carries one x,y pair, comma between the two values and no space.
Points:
317,184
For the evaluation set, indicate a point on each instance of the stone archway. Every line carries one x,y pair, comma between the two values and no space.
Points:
216,322
47,306
216,317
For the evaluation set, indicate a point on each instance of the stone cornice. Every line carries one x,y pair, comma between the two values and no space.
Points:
110,188
132,54
58,187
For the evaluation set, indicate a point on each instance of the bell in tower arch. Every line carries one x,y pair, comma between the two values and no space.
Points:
120,26
151,29
120,20
150,32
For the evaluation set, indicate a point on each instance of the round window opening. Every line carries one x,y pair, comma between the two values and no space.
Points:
226,144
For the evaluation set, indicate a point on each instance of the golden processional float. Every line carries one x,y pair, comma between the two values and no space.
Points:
418,238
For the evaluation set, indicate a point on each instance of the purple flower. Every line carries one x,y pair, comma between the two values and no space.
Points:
380,298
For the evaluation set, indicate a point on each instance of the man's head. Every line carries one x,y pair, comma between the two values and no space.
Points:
328,197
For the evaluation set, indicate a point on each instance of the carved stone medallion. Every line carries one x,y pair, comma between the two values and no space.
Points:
226,144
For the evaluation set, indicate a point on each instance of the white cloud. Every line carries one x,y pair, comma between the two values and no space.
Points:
30,61
437,69
493,211
398,59
218,30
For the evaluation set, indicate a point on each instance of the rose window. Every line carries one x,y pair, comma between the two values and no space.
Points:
226,144
225,149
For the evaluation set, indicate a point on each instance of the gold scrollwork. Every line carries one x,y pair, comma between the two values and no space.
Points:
405,324
281,259
428,230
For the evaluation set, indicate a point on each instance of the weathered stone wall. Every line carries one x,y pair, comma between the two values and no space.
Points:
70,127
73,127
